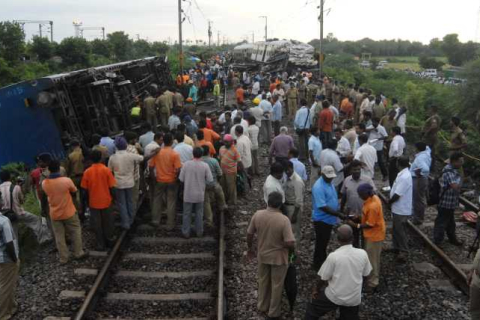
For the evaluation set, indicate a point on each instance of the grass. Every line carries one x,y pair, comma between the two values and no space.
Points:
402,63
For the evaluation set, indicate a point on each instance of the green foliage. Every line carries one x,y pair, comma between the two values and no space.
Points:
101,48
427,62
12,41
74,52
458,53
41,48
122,45
469,92
16,169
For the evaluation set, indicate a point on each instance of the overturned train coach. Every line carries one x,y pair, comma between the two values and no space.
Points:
44,115
274,56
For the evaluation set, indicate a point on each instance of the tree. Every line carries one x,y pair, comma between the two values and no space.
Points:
160,48
142,49
41,48
121,45
469,92
74,52
101,48
427,62
12,41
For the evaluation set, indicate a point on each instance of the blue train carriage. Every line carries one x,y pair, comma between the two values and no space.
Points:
44,115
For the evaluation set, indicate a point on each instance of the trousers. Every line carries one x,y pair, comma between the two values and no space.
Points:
399,230
392,170
271,279
125,206
102,221
229,184
322,305
254,169
303,145
266,131
276,127
8,286
213,194
323,232
152,120
188,209
74,230
374,251
381,163
420,189
444,222
314,175
165,197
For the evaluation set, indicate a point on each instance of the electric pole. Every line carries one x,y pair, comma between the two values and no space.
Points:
40,25
180,38
218,38
320,59
266,26
253,36
209,33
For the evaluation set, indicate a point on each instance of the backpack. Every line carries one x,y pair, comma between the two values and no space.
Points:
9,213
435,192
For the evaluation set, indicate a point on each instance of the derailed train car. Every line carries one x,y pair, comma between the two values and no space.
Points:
274,56
43,115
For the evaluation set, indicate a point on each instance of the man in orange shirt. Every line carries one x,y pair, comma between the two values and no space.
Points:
167,165
98,182
62,212
201,141
347,107
373,226
209,135
230,164
325,122
239,93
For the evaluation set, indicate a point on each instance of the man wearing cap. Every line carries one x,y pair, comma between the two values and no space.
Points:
372,223
230,164
325,213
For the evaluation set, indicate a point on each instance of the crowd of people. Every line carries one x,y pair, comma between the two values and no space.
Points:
340,134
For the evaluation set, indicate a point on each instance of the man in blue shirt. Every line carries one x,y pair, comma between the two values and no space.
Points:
325,213
298,166
106,141
302,126
277,115
420,169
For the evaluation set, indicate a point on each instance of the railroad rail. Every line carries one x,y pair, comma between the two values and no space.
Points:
457,276
98,291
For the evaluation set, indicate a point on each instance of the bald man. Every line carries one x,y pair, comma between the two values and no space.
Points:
344,270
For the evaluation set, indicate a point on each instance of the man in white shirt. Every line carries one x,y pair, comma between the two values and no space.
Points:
401,206
298,166
367,155
302,127
344,270
253,132
294,194
314,151
256,87
329,157
274,182
174,119
344,148
244,147
266,127
147,137
394,153
184,150
155,144
377,135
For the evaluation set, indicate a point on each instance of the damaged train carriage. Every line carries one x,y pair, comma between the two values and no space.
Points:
44,115
272,56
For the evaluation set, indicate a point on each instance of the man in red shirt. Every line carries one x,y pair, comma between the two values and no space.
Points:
98,182
325,122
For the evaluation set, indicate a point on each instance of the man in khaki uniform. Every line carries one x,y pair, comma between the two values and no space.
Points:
292,99
150,111
75,168
430,133
458,141
302,90
275,239
165,105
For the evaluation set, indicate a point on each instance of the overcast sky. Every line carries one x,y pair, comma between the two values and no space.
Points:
419,20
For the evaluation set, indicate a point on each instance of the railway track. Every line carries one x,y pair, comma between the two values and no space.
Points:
153,273
454,272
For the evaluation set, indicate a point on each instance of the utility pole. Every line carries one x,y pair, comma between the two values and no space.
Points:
253,36
209,33
218,38
40,29
180,38
51,31
266,27
40,25
320,60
